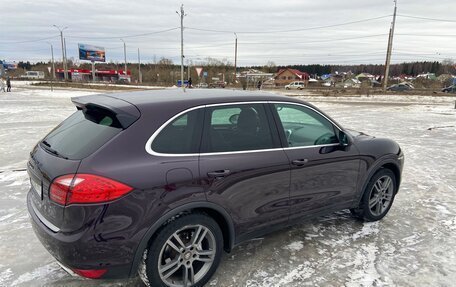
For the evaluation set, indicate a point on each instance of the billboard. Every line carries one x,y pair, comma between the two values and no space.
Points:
8,65
91,53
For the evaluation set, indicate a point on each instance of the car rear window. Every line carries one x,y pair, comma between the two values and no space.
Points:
82,133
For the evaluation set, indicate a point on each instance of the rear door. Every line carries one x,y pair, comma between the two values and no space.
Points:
323,173
243,167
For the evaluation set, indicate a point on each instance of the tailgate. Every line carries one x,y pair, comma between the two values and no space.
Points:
42,168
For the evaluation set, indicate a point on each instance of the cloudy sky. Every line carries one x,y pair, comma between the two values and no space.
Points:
284,32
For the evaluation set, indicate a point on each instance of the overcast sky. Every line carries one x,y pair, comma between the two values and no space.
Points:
325,32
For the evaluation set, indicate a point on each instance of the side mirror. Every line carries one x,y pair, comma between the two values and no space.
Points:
234,119
344,140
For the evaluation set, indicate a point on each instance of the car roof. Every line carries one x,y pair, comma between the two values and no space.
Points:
196,97
168,102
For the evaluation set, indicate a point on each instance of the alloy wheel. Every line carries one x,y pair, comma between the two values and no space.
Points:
381,195
187,256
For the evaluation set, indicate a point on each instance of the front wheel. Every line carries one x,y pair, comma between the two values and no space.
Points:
378,196
185,252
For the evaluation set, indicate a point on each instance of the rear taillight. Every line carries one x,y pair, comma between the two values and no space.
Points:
86,188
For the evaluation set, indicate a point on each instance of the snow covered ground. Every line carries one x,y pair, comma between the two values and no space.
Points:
415,245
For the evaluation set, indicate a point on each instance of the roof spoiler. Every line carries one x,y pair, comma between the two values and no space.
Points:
125,112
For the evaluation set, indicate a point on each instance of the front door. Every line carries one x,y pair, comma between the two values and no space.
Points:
323,173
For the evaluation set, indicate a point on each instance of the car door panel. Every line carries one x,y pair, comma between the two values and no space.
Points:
256,190
325,181
245,169
323,173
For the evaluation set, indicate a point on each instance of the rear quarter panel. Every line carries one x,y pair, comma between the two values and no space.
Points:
160,184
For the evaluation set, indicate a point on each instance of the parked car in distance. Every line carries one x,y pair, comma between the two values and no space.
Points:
449,89
297,85
218,84
202,85
161,182
400,87
33,75
326,84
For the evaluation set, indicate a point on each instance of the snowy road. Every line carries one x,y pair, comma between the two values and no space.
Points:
415,245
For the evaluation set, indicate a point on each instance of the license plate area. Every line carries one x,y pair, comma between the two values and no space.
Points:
37,186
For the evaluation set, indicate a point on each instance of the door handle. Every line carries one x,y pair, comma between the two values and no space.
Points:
300,162
219,173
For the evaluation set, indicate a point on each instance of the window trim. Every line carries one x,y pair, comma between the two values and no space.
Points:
148,146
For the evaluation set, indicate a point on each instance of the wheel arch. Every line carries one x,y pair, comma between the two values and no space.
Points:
387,163
219,214
397,173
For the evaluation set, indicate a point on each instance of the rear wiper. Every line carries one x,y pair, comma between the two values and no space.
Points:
47,147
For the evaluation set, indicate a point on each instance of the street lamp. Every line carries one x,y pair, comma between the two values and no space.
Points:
63,51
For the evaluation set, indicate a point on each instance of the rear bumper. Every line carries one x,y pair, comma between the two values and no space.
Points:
82,248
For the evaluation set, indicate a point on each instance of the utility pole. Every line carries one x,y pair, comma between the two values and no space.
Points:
389,49
53,67
139,68
182,15
66,59
52,59
65,73
125,56
188,69
235,57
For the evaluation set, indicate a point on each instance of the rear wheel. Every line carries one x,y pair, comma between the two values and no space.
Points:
186,252
378,196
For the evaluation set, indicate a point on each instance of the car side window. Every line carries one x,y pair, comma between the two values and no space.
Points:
239,127
304,126
181,136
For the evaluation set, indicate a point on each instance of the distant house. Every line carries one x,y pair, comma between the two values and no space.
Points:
428,76
365,77
252,77
350,83
286,76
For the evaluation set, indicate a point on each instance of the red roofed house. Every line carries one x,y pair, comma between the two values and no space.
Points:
286,76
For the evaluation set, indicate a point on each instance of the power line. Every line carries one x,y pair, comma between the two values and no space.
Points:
277,43
311,42
292,30
421,35
426,18
126,36
30,41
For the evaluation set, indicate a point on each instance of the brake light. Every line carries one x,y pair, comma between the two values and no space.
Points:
92,274
86,188
60,188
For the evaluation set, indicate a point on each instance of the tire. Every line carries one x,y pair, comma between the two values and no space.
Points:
191,242
378,196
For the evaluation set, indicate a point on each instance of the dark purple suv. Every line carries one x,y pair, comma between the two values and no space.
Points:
160,182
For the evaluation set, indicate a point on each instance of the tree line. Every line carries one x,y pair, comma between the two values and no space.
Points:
165,72
411,68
